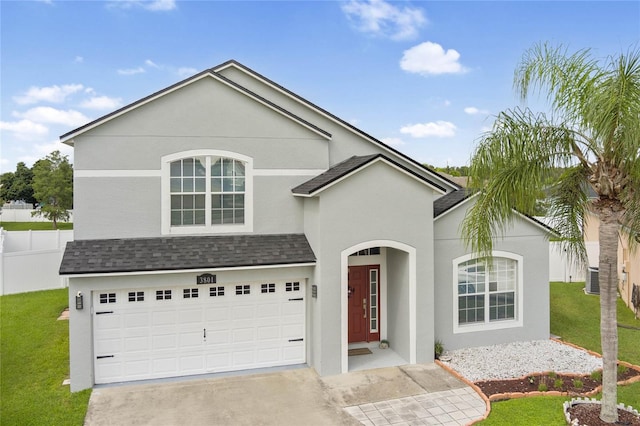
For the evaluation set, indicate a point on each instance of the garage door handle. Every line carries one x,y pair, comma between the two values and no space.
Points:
104,356
104,312
298,298
296,340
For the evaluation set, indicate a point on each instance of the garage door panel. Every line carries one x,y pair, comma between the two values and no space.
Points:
135,319
165,342
136,344
244,312
216,313
150,335
265,333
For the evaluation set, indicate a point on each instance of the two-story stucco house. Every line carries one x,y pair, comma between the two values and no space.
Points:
225,223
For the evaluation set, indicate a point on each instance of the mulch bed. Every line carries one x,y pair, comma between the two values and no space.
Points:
589,414
586,414
532,382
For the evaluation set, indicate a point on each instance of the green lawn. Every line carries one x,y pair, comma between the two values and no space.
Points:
34,354
575,317
34,226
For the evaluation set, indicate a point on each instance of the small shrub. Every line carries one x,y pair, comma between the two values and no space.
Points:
577,383
553,375
622,369
596,375
542,387
438,348
558,383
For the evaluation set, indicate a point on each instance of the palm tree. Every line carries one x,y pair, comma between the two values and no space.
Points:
592,137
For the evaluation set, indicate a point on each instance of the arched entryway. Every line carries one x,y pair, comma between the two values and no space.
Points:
381,276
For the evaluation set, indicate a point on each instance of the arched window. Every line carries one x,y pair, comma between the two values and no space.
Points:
487,292
207,191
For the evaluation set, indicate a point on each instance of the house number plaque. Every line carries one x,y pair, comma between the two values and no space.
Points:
206,279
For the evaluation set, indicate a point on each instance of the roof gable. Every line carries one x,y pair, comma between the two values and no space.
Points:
68,137
349,167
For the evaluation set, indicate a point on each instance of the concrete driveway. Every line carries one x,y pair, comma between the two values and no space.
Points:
289,397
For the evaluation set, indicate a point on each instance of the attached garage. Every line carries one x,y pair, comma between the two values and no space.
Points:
178,331
246,306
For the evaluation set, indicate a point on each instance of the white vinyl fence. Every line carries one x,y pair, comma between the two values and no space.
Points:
29,260
561,268
24,215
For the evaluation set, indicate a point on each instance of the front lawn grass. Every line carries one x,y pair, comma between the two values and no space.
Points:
34,349
575,316
34,226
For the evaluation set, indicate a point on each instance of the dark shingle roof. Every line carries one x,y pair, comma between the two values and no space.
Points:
184,252
348,166
334,173
450,200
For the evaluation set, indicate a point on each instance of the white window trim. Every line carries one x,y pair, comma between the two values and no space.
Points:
496,325
165,203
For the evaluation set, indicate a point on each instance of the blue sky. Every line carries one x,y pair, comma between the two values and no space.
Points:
427,77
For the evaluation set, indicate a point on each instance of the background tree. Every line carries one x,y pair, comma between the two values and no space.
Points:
53,187
18,186
593,134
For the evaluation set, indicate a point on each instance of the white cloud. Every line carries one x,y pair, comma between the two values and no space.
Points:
186,71
430,58
131,71
50,115
79,59
383,19
54,94
102,103
152,5
151,64
39,151
475,111
438,129
24,129
393,141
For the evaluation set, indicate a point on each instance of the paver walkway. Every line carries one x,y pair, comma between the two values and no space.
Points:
450,407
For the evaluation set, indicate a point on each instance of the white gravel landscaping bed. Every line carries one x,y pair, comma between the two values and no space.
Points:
518,359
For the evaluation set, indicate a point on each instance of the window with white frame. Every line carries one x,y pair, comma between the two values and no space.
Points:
207,191
488,292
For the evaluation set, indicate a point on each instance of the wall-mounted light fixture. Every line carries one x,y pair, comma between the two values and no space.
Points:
79,301
624,274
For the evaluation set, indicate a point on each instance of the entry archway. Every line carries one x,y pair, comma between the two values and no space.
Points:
404,257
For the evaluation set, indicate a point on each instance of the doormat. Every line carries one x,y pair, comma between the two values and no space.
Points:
359,351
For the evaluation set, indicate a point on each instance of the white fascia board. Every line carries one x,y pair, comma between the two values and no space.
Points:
333,119
359,169
69,138
186,271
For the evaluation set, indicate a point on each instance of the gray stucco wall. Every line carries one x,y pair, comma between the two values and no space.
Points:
365,207
204,115
524,239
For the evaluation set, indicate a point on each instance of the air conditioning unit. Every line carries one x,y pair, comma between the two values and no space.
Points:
592,285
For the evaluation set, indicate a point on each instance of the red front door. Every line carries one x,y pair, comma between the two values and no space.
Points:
364,303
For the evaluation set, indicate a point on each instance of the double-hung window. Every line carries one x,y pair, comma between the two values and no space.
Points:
487,292
207,191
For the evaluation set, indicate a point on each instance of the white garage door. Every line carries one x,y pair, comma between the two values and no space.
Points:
177,331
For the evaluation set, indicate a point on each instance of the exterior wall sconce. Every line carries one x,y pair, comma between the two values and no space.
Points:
624,274
79,301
